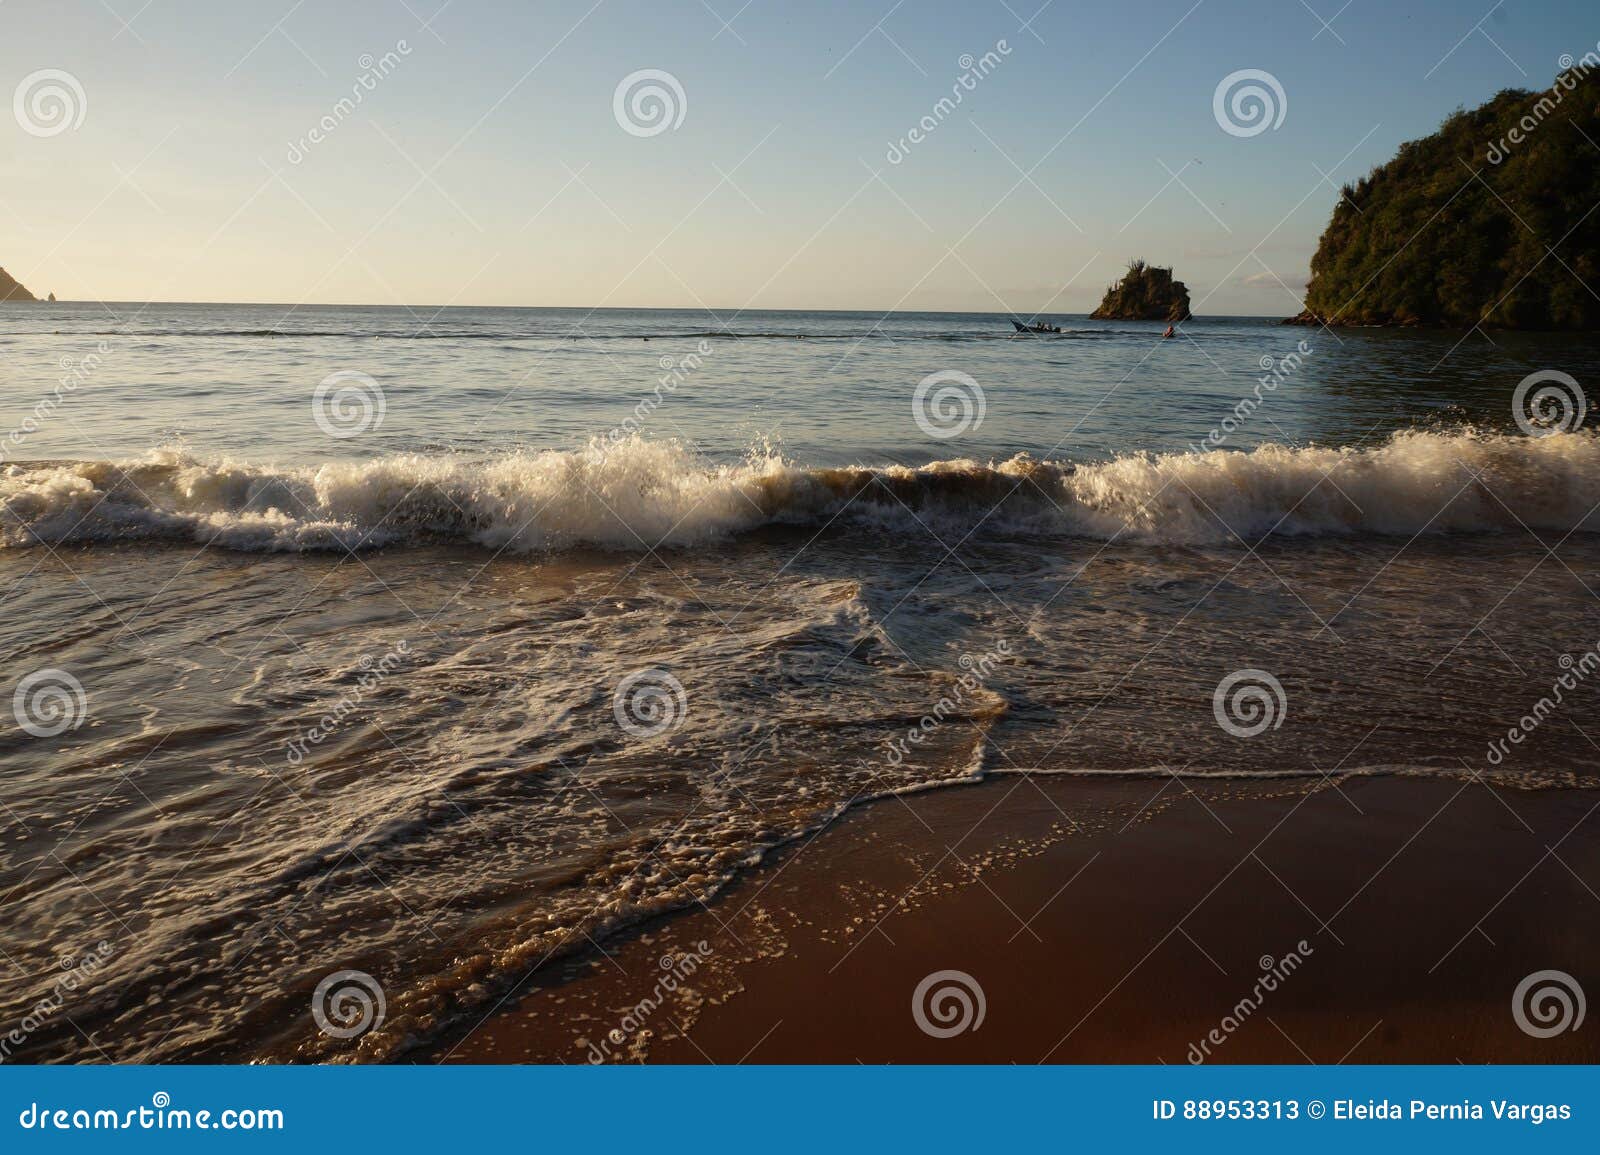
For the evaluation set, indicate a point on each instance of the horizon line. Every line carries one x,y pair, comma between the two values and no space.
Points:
709,310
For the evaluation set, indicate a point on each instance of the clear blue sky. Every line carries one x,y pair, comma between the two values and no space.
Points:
488,166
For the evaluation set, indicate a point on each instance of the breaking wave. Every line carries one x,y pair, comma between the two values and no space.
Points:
640,494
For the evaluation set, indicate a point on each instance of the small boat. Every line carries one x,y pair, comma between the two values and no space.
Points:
1021,328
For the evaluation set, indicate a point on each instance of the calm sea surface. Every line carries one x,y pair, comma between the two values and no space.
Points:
439,644
826,388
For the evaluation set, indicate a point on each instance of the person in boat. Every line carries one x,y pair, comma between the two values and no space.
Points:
1167,334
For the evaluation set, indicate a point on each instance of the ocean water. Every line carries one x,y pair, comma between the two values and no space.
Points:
439,644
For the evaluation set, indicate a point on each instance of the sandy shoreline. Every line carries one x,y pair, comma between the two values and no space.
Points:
1110,920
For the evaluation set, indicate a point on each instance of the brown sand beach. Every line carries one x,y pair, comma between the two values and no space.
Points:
1112,920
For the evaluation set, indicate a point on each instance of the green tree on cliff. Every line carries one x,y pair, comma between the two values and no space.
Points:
1423,241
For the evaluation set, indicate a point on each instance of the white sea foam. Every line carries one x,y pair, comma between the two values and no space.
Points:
643,493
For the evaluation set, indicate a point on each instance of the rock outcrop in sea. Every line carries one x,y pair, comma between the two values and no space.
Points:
1145,293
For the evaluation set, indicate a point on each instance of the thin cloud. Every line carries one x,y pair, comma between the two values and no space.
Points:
1265,280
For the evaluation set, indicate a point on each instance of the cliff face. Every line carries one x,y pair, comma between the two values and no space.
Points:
1423,241
10,290
1145,293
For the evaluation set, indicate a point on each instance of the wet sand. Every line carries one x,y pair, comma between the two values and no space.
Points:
1110,920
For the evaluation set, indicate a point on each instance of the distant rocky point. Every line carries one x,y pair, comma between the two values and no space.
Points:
1145,293
12,290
